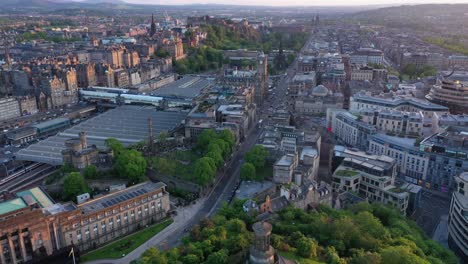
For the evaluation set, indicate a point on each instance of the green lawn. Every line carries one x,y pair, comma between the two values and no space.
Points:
127,244
292,256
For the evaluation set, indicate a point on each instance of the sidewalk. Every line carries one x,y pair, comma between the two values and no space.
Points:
184,215
441,232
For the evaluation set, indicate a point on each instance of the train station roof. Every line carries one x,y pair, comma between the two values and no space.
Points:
128,124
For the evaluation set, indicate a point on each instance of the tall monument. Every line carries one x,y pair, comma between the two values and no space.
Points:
261,252
262,78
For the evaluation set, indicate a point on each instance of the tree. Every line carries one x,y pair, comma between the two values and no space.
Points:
205,138
165,166
162,137
400,255
131,164
221,145
228,137
191,259
204,170
116,146
306,247
90,172
73,185
153,256
219,257
217,157
257,156
248,172
162,53
332,256
366,258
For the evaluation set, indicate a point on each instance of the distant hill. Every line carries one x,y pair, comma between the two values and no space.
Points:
407,13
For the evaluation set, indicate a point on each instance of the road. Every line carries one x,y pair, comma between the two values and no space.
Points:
187,217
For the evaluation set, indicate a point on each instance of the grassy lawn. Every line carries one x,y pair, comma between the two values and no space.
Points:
127,244
292,256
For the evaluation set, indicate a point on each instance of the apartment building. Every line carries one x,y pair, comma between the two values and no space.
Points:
350,129
370,176
458,223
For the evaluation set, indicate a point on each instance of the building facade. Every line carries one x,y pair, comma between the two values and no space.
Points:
458,222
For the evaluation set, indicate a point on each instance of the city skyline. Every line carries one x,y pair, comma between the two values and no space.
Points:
297,3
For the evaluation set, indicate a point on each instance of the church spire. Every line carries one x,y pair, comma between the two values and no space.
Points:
153,26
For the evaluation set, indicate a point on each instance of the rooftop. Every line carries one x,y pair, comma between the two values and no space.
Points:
38,195
52,122
187,87
249,189
286,160
12,205
31,196
397,101
120,196
346,173
128,124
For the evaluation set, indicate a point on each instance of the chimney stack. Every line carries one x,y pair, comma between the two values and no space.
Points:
83,140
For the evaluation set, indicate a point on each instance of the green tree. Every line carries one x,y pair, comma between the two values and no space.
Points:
153,256
219,257
228,137
332,256
257,156
116,146
90,172
366,258
162,137
248,172
162,53
165,166
131,164
205,138
204,170
191,259
401,255
306,247
217,157
73,185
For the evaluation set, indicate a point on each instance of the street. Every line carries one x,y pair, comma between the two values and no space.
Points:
207,206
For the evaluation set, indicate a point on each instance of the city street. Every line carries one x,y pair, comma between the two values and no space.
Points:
223,190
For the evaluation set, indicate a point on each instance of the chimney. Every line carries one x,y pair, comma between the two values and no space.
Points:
83,141
151,136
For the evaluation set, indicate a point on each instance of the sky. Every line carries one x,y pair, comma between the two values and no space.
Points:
297,2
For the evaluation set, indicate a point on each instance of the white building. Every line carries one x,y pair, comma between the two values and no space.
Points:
458,220
370,176
283,169
350,129
363,101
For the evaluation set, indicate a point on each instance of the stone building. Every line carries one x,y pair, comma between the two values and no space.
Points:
79,155
25,231
86,75
32,225
261,252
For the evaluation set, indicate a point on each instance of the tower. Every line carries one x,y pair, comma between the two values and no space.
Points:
151,136
7,56
261,252
153,26
262,78
83,140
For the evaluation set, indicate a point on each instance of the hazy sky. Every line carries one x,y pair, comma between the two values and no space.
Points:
297,2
